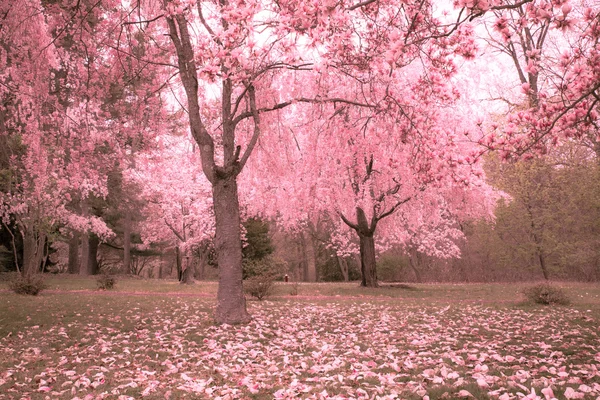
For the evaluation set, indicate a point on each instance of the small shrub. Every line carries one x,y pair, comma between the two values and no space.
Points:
28,284
261,275
106,282
294,289
544,293
259,286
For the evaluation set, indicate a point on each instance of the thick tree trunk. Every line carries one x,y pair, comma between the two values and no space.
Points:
73,263
187,273
309,256
84,267
368,266
93,243
33,251
231,302
187,276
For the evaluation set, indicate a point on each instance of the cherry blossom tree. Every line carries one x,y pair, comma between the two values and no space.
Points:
553,49
178,200
254,58
38,200
410,179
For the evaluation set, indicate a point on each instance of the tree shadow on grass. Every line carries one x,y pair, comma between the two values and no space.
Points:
403,286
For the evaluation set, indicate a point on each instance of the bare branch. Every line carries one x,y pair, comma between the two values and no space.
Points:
148,21
393,208
347,222
361,4
256,133
300,100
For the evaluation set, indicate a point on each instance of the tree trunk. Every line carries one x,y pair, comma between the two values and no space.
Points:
33,251
231,302
93,243
543,264
187,271
127,241
368,266
178,263
309,256
73,264
187,276
413,266
202,262
84,267
343,263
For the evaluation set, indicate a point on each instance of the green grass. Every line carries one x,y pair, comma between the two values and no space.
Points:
157,338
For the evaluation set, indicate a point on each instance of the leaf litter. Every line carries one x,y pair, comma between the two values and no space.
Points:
313,350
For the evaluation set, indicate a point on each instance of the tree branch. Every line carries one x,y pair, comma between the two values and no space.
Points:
347,222
285,104
361,4
393,209
256,133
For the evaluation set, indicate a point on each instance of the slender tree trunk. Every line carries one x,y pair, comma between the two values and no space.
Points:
368,266
127,241
73,264
203,260
231,302
302,268
343,263
411,261
93,243
543,264
178,263
309,254
84,267
160,267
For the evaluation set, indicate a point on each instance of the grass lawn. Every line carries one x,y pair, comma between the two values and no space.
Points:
156,339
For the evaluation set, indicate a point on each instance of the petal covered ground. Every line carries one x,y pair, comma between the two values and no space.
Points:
168,348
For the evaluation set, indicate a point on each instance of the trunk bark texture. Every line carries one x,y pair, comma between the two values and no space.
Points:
202,262
33,252
84,267
368,266
178,263
93,243
231,302
187,272
413,261
187,276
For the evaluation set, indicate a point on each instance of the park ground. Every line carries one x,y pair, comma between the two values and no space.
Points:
156,339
